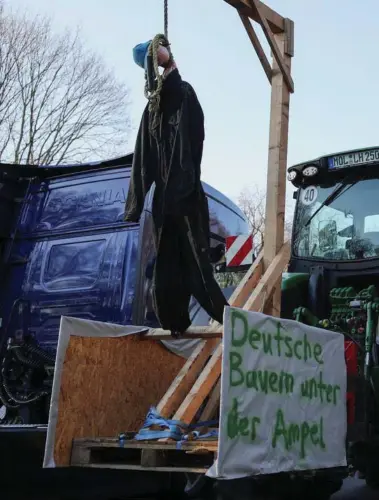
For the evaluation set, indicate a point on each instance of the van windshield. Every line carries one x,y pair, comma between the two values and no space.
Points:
346,229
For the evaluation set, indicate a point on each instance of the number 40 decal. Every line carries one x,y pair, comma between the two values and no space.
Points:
309,195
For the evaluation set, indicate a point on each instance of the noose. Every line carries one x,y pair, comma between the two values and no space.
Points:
154,95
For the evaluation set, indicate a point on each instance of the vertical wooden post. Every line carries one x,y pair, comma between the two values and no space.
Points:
277,162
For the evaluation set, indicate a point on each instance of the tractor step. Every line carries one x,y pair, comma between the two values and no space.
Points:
192,457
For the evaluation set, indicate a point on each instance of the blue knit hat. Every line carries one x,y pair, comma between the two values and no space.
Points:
140,53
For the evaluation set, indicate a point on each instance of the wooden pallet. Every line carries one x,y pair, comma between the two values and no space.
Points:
193,457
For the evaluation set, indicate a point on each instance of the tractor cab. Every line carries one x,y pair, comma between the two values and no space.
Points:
337,213
335,239
333,275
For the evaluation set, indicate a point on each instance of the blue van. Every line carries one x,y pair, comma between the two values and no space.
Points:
65,250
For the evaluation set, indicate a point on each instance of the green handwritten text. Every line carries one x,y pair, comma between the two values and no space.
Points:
274,344
303,434
241,426
316,388
260,380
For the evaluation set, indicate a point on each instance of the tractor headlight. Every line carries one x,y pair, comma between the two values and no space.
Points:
310,171
292,175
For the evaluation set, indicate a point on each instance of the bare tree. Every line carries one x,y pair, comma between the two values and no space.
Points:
252,202
58,101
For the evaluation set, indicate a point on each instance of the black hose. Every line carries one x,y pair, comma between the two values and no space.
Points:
23,399
32,363
5,399
5,389
41,353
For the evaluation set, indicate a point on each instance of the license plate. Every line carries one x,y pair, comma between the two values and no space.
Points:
353,159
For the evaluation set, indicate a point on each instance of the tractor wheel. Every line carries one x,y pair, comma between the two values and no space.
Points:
372,481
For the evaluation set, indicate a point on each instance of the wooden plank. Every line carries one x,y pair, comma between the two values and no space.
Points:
277,51
194,332
143,445
257,45
276,170
201,388
152,458
185,470
275,20
289,47
212,405
186,378
266,286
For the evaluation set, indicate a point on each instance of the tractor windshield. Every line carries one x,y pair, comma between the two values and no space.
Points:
345,229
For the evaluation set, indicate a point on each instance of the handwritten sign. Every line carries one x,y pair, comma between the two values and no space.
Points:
283,397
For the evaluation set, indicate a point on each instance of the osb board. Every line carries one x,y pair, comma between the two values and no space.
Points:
107,386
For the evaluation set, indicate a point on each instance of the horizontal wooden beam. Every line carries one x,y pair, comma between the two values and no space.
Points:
275,20
193,332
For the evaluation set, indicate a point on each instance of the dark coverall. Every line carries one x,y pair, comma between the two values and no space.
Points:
168,151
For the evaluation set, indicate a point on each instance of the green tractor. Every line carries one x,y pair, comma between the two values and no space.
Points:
333,280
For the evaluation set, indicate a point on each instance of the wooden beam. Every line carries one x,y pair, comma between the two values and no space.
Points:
257,45
186,378
212,405
201,388
267,284
274,20
194,332
276,170
277,52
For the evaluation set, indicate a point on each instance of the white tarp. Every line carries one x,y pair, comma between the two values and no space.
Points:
283,397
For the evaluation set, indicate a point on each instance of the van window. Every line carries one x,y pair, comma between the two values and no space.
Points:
66,204
224,221
74,265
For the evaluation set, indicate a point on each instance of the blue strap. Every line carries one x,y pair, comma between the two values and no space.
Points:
205,423
196,435
157,427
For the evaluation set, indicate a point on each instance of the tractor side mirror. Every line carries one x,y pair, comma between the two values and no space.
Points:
327,234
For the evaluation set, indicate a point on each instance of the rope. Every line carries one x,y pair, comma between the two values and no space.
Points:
154,96
166,18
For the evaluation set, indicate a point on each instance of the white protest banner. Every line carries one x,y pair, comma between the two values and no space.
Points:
283,397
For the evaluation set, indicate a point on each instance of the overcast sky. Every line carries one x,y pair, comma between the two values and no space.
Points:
334,70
